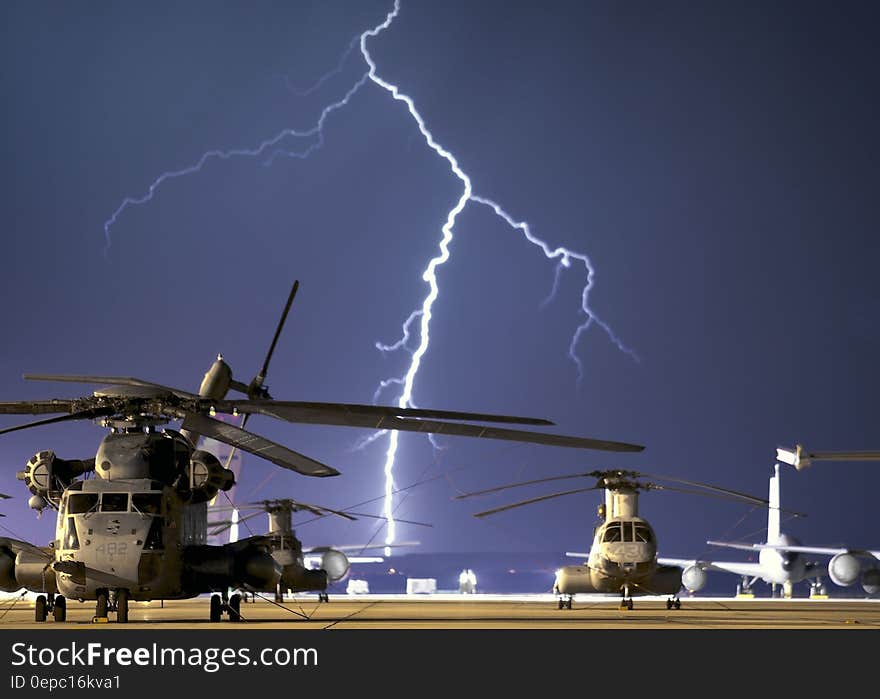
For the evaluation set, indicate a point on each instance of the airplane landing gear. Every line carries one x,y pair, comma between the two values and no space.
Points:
818,590
744,589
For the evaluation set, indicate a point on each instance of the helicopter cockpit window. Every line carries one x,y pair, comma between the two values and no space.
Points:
114,502
71,540
80,503
643,534
154,536
612,532
628,531
146,503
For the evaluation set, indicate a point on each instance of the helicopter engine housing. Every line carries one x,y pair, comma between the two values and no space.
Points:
35,572
217,567
44,473
336,564
871,581
297,578
844,569
694,578
208,476
8,583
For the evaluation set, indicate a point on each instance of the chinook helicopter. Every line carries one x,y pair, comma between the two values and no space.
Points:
623,556
132,521
288,550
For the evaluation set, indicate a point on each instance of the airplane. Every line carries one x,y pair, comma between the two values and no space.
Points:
800,459
132,520
782,562
623,556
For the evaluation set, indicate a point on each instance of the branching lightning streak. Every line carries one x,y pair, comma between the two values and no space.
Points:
424,312
316,130
429,275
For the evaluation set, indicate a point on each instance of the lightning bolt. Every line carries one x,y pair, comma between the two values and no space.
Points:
563,256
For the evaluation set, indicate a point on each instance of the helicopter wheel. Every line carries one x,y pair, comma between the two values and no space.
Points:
59,609
568,603
122,606
561,603
40,608
629,604
234,610
101,604
677,603
216,608
669,604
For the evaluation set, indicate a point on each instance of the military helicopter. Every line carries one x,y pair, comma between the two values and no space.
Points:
132,521
623,556
288,550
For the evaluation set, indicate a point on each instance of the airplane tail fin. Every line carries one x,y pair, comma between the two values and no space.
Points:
773,526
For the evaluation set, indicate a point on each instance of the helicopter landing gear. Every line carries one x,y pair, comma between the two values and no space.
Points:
122,606
323,597
673,603
49,604
102,603
216,608
234,608
565,602
223,603
279,594
40,608
59,609
626,601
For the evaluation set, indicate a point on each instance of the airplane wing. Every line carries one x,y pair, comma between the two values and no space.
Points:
816,550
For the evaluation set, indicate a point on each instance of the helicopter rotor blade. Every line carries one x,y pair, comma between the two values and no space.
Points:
256,445
540,498
109,381
4,496
256,388
380,417
517,485
723,496
81,415
359,415
733,493
224,525
37,407
396,519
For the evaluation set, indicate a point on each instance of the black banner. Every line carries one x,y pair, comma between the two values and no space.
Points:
235,663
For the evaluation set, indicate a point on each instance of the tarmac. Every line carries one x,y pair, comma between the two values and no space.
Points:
475,611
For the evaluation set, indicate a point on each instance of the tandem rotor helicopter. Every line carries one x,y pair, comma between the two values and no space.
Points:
288,549
623,555
132,521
